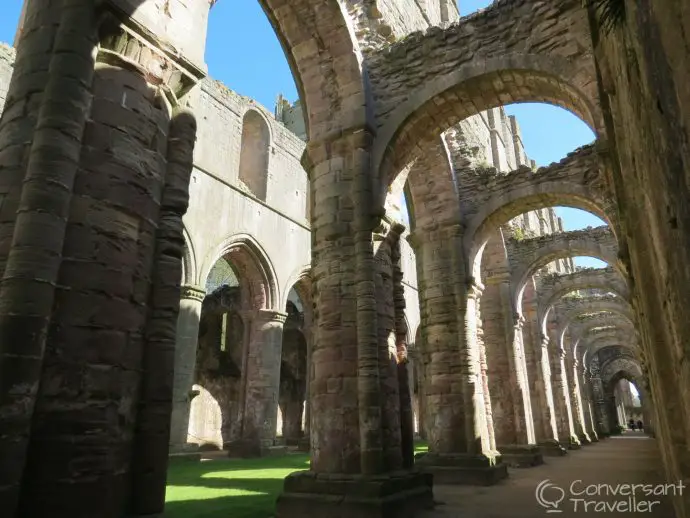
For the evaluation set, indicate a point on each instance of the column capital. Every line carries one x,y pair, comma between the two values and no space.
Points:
332,147
191,292
269,316
519,321
125,44
474,288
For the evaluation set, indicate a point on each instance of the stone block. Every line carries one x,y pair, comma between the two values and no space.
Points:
552,448
463,469
392,495
521,455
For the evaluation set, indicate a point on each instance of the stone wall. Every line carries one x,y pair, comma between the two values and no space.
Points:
644,66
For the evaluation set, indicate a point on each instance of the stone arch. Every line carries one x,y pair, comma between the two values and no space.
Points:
622,367
254,153
615,307
576,181
493,63
589,348
555,287
253,268
575,307
468,91
322,51
601,321
302,283
533,254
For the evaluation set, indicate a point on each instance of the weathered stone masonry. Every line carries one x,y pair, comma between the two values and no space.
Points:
94,190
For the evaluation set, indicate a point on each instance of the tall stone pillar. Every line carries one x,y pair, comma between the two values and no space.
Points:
186,343
258,414
561,392
600,410
96,184
576,399
349,473
460,438
539,375
405,374
586,398
507,377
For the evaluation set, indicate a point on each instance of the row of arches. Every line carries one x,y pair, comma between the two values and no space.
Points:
373,111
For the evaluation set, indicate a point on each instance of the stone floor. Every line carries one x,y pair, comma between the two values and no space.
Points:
628,459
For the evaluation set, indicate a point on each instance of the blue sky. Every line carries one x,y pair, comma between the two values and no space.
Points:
243,52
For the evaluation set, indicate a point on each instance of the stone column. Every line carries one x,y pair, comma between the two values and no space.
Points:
576,398
647,413
460,442
600,411
90,292
404,366
478,333
258,414
559,378
385,241
510,396
525,452
185,363
348,474
586,393
539,374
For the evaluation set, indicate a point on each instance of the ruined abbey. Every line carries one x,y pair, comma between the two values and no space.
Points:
381,262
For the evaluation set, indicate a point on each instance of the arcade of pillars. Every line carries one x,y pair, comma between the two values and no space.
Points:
108,361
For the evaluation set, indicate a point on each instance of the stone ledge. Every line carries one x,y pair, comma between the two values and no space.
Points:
393,495
464,469
521,455
552,448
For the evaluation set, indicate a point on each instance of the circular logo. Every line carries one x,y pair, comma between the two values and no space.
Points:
549,496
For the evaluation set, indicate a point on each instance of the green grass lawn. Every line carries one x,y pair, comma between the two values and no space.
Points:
241,488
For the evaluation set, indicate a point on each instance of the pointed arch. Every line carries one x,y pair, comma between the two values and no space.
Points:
254,269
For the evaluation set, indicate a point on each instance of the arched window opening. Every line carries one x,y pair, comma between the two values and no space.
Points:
256,142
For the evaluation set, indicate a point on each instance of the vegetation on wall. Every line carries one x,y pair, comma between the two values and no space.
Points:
611,13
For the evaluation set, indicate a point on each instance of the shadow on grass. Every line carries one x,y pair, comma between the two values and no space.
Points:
241,488
237,488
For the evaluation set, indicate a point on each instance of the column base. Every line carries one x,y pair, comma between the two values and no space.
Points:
184,452
521,455
584,439
189,447
570,442
304,445
248,449
463,469
552,448
593,436
393,495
